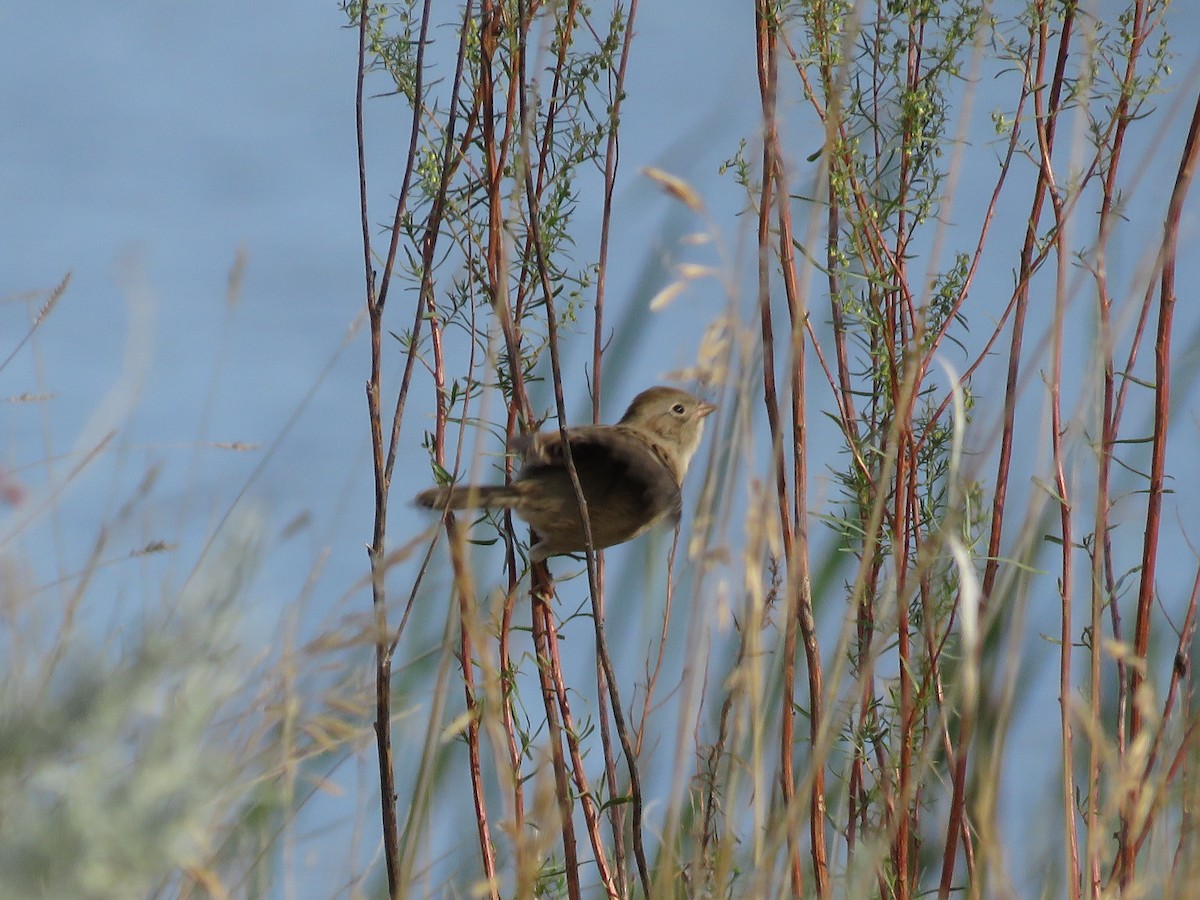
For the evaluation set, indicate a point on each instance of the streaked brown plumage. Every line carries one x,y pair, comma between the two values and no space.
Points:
631,474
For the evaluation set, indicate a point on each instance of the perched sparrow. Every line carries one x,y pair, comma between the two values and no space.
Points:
631,474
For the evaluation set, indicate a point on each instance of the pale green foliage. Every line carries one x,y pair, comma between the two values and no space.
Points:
112,772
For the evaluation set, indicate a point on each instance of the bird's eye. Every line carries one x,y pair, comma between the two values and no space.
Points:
678,409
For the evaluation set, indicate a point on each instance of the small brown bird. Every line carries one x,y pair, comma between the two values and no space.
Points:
631,474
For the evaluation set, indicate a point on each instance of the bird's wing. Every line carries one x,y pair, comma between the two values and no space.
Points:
607,454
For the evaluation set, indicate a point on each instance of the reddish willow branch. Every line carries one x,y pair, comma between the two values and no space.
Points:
1162,409
774,196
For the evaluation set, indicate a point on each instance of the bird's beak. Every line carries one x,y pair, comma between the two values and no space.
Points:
706,409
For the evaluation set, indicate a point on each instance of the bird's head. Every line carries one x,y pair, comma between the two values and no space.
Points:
673,419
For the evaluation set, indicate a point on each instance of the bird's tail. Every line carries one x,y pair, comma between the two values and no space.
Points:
470,496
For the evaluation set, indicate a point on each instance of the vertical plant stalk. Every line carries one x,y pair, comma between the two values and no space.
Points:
466,601
1182,666
793,522
1066,583
542,586
543,625
464,590
383,735
616,811
1046,116
602,653
583,790
959,755
384,455
534,173
800,608
1103,578
1162,409
765,45
533,188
